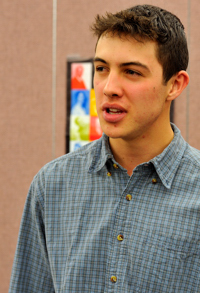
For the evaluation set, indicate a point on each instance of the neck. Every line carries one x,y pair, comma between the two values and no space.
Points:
130,154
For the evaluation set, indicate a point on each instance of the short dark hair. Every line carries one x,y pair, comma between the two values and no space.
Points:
148,22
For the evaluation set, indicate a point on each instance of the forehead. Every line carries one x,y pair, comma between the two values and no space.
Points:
125,47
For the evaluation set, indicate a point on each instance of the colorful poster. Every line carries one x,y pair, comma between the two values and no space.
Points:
81,75
80,102
83,123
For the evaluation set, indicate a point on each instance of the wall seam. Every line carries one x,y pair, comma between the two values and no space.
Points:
54,47
188,70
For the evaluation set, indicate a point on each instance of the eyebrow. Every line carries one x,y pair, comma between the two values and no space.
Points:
135,63
97,59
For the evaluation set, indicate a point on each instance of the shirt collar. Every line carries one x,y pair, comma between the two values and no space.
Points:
101,153
166,164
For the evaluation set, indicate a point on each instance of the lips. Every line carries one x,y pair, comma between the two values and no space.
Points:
113,113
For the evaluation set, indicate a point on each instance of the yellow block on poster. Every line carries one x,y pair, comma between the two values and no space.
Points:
93,110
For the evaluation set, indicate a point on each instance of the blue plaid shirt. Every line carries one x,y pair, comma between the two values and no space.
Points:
89,227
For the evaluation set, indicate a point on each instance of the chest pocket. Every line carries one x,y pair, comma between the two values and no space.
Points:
166,264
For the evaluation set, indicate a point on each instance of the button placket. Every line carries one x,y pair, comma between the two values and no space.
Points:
120,229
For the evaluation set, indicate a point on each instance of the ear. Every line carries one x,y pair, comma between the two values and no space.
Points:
178,83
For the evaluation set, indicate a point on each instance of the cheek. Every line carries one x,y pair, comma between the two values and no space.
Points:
147,102
149,96
96,83
143,96
98,88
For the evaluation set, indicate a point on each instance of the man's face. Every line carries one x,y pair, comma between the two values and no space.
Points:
131,97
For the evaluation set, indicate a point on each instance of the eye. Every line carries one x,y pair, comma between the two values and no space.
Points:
132,72
100,68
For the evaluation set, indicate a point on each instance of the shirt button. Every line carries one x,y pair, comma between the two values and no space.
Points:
154,181
108,174
115,166
120,237
128,197
113,279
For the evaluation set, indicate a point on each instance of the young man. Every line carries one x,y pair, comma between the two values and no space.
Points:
122,213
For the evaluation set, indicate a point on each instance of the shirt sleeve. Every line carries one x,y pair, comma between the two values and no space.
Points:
31,269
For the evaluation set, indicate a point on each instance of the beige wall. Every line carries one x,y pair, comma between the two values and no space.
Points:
33,115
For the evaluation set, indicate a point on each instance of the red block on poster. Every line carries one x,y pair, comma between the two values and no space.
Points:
95,128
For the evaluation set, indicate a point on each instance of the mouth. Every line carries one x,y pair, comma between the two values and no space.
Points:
113,108
113,111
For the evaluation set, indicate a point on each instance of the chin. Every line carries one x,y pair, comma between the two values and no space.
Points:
113,134
113,130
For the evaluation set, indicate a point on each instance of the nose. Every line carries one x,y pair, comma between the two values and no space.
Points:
113,87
